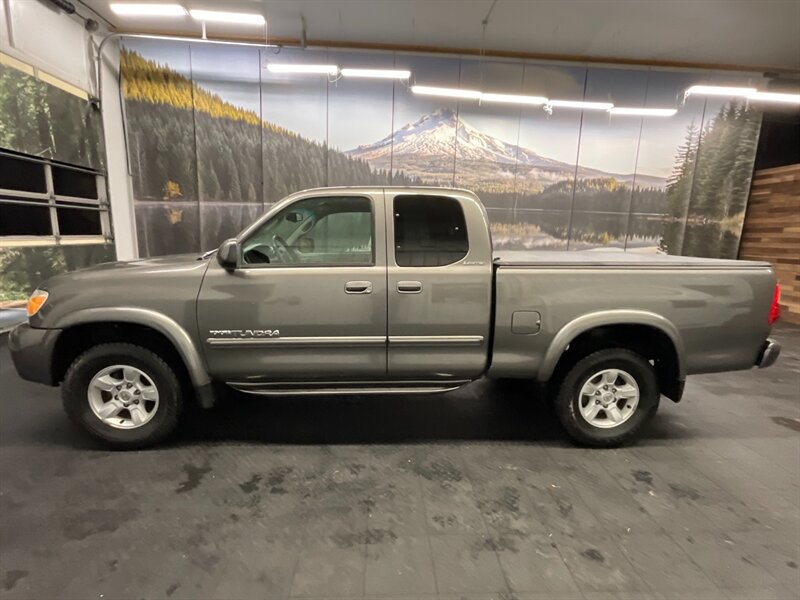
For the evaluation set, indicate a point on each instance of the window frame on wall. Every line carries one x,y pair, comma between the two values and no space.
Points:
55,203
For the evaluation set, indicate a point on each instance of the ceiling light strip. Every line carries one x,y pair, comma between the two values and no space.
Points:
148,10
774,97
445,92
219,16
513,99
720,90
581,104
376,73
643,112
303,69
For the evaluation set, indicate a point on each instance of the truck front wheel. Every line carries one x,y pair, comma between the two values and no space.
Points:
606,397
123,394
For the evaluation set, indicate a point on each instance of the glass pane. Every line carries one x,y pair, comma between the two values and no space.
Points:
167,228
315,232
429,231
158,94
227,113
76,221
520,231
647,233
23,175
598,230
68,182
22,219
360,121
294,109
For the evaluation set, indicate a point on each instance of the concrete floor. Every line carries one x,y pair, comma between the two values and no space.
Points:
472,494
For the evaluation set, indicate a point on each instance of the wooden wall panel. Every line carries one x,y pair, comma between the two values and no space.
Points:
772,231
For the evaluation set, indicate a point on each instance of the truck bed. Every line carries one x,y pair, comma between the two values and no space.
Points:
716,309
611,258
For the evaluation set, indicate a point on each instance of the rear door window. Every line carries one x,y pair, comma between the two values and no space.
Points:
429,231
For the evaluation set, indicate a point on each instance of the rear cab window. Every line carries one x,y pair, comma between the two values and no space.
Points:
429,231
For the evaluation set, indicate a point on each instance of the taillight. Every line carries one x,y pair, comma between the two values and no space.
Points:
775,309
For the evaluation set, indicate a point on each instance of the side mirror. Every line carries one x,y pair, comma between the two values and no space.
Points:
228,254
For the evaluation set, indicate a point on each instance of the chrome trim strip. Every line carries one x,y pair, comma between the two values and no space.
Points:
428,340
344,340
383,383
344,390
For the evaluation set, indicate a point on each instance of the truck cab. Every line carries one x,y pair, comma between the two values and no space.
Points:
375,287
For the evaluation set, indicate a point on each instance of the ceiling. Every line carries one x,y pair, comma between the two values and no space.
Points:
762,34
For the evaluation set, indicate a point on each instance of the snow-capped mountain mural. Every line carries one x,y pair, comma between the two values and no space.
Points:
429,148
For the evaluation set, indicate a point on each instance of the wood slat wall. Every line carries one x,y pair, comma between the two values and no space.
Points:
772,231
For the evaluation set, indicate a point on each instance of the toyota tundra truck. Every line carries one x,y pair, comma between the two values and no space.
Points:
389,290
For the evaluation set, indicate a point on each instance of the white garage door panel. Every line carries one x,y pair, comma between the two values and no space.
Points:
47,39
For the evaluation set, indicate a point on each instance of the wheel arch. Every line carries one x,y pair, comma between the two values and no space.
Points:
142,320
649,333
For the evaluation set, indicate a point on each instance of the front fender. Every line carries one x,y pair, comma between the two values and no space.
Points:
589,321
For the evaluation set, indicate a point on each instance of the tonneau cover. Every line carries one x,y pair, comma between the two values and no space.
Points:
611,258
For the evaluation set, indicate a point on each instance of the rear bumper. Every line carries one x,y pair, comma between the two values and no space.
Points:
32,352
768,354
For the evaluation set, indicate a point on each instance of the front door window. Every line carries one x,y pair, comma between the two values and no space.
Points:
315,232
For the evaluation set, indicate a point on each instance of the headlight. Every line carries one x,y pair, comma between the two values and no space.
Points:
36,301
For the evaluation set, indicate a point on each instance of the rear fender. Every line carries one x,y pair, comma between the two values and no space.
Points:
584,323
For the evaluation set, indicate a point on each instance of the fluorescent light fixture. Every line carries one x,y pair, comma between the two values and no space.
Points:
148,10
377,73
227,17
581,104
720,90
513,99
775,97
303,69
446,92
643,112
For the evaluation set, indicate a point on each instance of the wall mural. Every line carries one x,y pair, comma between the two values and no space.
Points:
215,138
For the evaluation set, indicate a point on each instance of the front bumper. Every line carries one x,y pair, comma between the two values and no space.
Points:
769,353
32,352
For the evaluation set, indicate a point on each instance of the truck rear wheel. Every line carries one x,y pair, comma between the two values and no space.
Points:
606,397
123,394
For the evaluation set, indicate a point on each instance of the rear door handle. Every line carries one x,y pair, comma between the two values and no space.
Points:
358,287
409,287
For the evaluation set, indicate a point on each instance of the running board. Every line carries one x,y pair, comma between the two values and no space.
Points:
329,388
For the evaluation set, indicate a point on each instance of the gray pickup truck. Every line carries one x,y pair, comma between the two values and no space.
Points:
363,290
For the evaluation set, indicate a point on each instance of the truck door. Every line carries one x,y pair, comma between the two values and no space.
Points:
439,285
307,301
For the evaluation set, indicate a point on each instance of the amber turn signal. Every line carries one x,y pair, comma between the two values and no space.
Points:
36,301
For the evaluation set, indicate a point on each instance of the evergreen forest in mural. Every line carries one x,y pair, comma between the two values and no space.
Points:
205,164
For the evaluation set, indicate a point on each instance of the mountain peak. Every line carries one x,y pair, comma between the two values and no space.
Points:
439,134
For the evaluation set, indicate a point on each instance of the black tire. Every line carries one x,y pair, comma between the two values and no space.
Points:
74,395
568,398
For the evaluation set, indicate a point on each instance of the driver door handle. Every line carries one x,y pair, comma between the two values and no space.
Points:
358,287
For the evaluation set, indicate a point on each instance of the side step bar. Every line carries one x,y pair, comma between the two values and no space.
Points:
328,388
